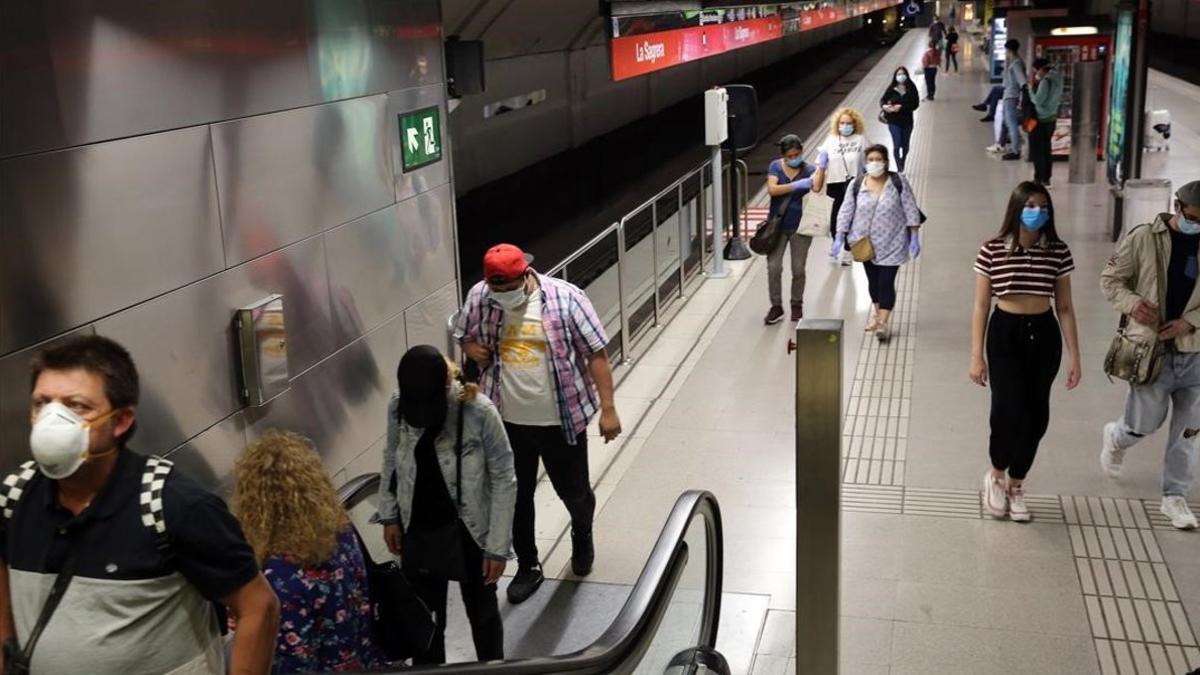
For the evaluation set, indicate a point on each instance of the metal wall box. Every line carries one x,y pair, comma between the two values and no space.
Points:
262,345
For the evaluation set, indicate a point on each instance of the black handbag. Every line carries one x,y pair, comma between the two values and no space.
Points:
439,552
404,627
767,234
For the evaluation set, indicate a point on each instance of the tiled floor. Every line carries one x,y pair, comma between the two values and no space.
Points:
1099,583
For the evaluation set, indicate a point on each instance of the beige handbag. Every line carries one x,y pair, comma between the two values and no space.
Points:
817,214
862,250
1133,359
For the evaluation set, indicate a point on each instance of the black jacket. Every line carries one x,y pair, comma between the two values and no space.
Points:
908,103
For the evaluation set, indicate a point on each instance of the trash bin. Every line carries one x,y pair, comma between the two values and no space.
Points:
1139,201
1158,130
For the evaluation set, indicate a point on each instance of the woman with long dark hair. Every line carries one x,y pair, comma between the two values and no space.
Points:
1026,268
898,102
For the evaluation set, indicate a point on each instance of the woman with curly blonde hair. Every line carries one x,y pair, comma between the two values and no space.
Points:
447,495
309,553
846,145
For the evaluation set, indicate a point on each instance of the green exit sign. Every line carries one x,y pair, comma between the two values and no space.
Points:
420,138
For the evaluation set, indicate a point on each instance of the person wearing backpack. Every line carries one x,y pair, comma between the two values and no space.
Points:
447,495
881,221
789,178
114,562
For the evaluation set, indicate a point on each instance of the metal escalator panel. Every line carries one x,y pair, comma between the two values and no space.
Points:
669,621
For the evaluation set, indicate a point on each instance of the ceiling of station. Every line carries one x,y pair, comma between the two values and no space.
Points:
518,27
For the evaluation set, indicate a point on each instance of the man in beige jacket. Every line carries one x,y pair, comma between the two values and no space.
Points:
1152,279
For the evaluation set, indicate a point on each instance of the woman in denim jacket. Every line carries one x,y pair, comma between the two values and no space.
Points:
419,494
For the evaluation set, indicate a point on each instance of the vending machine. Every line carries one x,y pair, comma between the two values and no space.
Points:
1065,41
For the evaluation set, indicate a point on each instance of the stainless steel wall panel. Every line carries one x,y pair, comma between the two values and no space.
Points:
427,177
290,175
425,322
210,457
76,71
603,105
383,263
88,231
14,402
537,26
341,404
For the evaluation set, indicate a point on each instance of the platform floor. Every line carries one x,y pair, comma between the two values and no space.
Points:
1097,584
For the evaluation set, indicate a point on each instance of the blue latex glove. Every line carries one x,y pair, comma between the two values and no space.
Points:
823,159
801,184
914,246
839,243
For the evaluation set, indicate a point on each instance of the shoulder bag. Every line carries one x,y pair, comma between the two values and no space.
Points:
439,552
862,250
1132,359
817,214
17,660
767,234
404,626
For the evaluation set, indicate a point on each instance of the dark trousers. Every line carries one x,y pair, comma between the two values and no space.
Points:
881,284
836,192
479,599
995,94
951,57
1039,150
1023,352
930,82
567,467
901,135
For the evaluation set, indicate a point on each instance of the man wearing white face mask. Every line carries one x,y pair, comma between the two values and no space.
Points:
550,379
1167,311
112,561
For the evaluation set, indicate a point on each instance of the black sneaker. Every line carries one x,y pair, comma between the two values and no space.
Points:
1011,156
525,584
583,554
980,107
797,312
774,316
987,118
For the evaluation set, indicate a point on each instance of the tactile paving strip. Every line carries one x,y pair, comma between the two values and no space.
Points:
1138,623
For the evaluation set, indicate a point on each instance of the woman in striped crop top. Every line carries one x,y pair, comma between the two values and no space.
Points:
1026,268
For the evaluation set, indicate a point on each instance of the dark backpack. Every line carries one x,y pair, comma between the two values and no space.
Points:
899,185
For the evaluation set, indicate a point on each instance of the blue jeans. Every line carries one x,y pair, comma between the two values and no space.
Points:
901,134
1012,122
1177,388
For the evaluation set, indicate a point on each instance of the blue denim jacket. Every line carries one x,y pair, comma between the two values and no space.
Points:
489,484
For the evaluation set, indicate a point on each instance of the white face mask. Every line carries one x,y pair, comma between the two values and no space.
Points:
876,169
511,300
60,440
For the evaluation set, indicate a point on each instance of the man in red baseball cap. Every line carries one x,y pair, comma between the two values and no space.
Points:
541,351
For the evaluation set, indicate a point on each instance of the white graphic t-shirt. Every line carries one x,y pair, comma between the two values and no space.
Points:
526,386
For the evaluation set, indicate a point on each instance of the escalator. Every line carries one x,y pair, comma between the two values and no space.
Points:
667,624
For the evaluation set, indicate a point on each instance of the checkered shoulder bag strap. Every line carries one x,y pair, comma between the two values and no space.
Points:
14,485
154,477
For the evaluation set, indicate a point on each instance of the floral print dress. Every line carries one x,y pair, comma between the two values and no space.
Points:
325,613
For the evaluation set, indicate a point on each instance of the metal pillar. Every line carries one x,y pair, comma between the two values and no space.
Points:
1087,94
718,214
818,348
735,248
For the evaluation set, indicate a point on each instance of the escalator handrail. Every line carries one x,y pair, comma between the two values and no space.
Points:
620,648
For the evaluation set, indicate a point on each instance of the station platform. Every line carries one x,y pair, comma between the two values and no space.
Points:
1097,583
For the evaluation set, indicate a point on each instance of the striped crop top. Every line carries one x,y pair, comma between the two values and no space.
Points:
1021,271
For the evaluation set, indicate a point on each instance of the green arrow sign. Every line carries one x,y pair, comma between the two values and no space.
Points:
420,138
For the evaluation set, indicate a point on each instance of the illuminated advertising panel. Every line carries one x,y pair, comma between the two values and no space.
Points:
1118,97
641,54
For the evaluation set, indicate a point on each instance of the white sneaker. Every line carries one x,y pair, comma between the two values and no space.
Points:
1112,458
1017,510
1176,508
995,497
996,148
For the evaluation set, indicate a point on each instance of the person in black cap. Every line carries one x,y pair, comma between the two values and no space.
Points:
1168,313
447,494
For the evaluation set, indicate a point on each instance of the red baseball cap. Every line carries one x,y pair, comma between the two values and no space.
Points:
505,262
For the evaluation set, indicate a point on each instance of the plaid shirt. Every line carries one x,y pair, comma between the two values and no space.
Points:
573,333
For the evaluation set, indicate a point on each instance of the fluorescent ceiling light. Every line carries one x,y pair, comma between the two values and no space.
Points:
1074,30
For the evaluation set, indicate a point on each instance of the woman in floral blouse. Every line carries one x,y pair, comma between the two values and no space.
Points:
309,553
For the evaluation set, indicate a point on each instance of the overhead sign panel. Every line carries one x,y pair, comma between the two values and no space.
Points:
420,138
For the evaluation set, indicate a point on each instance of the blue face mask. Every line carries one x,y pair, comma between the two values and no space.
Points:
846,129
1034,218
1187,225
795,163
901,78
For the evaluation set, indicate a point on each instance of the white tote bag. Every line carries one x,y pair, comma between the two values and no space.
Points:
817,214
